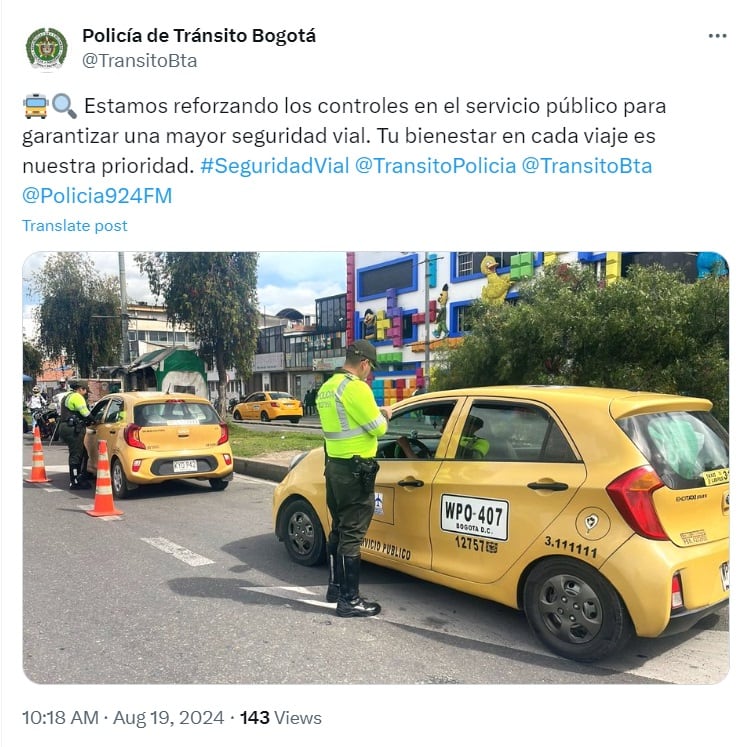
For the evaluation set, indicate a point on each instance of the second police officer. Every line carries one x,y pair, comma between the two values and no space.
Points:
74,415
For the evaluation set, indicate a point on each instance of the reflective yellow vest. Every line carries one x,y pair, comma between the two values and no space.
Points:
75,403
349,416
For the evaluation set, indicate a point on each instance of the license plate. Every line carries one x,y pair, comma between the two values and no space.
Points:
478,517
724,569
185,465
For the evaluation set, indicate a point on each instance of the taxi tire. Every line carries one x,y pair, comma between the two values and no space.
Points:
547,604
264,416
120,488
237,415
217,483
303,535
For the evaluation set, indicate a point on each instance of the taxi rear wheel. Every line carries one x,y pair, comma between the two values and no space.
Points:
119,483
264,416
575,611
302,533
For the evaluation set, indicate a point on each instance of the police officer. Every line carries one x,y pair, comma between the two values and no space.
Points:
74,415
352,422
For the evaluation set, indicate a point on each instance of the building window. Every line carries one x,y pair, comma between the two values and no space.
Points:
469,264
377,280
461,323
465,264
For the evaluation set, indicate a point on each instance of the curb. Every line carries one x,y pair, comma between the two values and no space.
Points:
263,470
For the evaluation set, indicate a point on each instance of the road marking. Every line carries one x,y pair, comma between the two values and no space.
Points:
181,553
91,507
53,470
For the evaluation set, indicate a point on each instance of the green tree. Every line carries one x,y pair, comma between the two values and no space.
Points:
32,360
650,330
79,314
212,294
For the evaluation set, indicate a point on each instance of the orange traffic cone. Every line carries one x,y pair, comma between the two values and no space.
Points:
104,502
38,472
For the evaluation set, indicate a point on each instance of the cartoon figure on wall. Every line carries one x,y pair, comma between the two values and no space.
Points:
442,328
497,285
369,327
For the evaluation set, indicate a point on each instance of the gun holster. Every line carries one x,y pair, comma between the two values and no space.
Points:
365,471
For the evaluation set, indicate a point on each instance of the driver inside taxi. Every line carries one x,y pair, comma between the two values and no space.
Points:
471,446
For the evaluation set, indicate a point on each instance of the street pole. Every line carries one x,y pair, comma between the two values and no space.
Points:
124,343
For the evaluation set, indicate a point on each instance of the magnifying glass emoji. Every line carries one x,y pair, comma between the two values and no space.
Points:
61,103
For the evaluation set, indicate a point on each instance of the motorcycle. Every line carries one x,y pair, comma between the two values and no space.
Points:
46,419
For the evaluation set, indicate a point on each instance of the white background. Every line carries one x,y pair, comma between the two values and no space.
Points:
695,200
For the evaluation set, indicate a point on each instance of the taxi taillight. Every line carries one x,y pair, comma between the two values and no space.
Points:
224,435
677,592
632,494
132,436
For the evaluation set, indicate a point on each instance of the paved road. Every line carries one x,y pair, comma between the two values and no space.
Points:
189,585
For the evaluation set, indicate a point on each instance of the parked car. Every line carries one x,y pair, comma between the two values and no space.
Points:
600,513
267,406
154,437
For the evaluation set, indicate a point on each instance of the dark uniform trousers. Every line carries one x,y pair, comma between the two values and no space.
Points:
351,507
73,437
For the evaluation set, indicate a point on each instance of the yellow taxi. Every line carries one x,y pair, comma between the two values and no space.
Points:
154,437
601,513
267,406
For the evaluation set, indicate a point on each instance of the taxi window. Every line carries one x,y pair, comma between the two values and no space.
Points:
115,410
175,413
683,447
97,413
423,423
516,432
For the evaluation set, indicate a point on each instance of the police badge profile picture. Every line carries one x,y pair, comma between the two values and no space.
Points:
46,49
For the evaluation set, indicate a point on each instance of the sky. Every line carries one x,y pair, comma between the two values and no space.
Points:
285,280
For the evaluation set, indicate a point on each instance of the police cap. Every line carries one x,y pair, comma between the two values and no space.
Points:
364,349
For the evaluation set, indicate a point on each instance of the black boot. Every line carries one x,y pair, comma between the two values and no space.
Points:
334,584
350,603
77,480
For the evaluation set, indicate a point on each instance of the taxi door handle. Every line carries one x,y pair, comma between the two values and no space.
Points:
410,484
547,486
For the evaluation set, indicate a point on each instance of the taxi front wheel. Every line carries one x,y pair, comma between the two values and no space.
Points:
575,611
303,534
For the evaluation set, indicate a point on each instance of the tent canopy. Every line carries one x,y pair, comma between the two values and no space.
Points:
176,370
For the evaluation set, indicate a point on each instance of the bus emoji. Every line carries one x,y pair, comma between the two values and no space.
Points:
36,106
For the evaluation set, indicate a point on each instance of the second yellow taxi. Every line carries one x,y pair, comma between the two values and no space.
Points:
153,437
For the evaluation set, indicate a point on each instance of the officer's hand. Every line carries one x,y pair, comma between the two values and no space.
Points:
387,411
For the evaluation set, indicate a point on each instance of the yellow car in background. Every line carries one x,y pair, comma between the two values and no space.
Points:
153,437
601,513
268,406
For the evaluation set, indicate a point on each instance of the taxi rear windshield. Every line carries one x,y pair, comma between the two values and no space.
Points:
175,413
686,449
